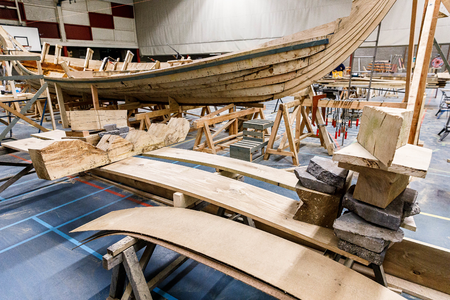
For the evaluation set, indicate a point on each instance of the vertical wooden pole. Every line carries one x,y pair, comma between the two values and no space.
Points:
410,49
62,108
49,98
418,85
95,97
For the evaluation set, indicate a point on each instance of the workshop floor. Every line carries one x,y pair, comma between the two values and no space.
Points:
37,255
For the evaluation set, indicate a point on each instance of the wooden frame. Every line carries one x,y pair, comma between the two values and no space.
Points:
232,124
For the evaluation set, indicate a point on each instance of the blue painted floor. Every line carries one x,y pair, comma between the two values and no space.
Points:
37,255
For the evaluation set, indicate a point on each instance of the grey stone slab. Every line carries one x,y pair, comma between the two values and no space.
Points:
113,132
110,127
101,134
412,210
411,207
350,222
327,171
390,217
372,244
123,135
125,129
373,257
311,182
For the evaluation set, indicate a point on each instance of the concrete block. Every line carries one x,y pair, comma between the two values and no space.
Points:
110,127
350,222
412,211
327,171
125,129
372,244
373,257
123,135
390,217
311,182
101,134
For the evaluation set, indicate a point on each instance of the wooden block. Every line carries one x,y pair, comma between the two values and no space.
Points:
379,187
319,208
115,146
66,157
121,245
409,223
92,139
408,160
143,141
383,130
83,133
178,128
182,201
96,119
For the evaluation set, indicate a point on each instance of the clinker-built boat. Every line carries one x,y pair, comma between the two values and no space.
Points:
273,70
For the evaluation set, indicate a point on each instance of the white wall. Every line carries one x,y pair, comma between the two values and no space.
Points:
208,26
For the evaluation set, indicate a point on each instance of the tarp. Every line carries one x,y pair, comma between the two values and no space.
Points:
217,26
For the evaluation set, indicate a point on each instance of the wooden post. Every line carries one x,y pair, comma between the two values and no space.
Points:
135,275
89,53
49,98
62,108
58,49
418,85
127,60
44,52
95,97
410,49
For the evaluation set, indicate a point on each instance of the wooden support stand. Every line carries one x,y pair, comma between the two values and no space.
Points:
232,123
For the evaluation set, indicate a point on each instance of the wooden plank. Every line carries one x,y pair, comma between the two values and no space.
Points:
352,104
266,174
409,223
261,205
96,119
219,119
418,84
94,93
245,246
50,135
383,130
25,144
419,262
408,160
19,57
62,107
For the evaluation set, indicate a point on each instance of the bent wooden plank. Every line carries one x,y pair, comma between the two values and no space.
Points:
261,205
293,268
267,174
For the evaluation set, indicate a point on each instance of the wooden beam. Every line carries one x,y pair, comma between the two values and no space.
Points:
26,119
418,84
62,107
94,93
410,49
351,104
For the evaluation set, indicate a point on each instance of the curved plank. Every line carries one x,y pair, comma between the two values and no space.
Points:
261,205
263,173
295,269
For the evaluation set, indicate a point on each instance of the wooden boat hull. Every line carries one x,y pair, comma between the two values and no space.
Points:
276,69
